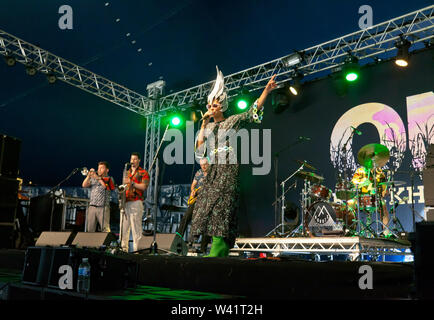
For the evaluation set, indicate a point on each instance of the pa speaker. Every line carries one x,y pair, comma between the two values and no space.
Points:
93,239
166,241
37,264
54,239
9,156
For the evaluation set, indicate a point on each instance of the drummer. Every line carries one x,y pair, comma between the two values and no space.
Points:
364,179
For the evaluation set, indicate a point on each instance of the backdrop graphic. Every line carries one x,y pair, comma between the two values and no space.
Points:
391,106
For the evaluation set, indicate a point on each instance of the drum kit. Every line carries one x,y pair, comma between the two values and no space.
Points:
338,213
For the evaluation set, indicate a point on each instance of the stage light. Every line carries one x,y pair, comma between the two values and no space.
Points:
295,87
292,59
403,55
31,70
242,104
243,100
51,77
351,68
10,61
175,119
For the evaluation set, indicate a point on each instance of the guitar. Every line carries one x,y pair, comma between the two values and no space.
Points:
193,197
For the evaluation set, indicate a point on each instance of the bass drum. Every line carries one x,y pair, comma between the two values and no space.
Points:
321,219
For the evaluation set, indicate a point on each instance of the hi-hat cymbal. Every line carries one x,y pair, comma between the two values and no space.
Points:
307,165
373,154
309,176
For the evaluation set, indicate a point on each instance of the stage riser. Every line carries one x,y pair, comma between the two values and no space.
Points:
276,279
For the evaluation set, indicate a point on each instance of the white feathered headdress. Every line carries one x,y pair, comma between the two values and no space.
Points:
219,91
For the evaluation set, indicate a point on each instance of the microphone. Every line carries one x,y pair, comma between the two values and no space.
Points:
304,138
356,131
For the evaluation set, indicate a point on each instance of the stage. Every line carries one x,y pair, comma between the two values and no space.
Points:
290,269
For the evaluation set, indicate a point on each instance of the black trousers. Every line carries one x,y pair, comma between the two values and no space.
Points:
186,219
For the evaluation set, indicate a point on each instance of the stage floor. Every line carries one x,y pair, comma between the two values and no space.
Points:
171,277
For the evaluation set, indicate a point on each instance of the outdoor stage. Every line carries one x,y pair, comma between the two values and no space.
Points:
285,273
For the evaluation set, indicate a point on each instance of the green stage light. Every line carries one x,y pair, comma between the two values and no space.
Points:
242,104
351,68
351,76
175,121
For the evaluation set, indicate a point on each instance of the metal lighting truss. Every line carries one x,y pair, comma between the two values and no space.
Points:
375,41
50,64
354,246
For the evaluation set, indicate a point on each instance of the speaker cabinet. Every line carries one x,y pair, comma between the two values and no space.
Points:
54,239
37,263
9,156
166,241
8,235
93,239
424,260
40,214
8,199
107,272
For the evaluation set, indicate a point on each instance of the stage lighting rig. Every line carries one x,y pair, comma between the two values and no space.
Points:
31,70
51,77
10,60
292,59
402,57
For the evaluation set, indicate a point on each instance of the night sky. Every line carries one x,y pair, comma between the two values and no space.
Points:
181,42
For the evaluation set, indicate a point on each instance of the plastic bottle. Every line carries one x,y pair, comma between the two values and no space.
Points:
83,283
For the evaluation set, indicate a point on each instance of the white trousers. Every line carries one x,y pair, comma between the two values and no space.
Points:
131,221
99,215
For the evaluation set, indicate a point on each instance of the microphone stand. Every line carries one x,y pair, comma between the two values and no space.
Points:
154,246
53,196
276,183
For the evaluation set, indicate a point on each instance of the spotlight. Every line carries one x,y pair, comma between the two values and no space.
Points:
243,100
295,87
51,77
10,61
30,70
175,119
351,68
292,59
402,56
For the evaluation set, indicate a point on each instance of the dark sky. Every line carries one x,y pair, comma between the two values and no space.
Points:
62,127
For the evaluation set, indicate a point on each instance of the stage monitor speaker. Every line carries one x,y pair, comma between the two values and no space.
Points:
166,241
9,156
54,239
93,239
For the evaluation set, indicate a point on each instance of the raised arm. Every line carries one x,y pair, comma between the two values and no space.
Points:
271,85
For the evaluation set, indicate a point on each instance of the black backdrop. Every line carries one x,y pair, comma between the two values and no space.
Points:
314,115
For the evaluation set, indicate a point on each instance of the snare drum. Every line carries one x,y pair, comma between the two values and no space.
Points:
320,192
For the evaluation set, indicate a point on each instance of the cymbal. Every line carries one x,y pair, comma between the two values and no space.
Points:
395,183
373,153
306,164
309,176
